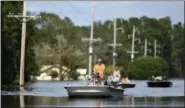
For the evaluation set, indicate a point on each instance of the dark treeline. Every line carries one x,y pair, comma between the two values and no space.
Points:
53,40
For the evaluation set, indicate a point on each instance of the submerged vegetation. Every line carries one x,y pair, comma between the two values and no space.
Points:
52,40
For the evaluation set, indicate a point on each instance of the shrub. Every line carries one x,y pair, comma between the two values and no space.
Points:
74,75
53,74
144,67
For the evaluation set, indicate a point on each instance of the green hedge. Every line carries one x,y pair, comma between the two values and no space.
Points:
144,67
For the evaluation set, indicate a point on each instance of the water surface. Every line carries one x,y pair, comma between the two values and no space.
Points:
53,94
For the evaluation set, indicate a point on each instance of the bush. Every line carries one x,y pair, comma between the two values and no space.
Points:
144,67
74,75
53,74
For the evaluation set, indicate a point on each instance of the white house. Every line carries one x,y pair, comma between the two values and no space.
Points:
45,68
82,73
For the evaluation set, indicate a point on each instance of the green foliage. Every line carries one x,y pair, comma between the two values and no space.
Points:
108,70
74,75
10,41
52,40
53,74
144,67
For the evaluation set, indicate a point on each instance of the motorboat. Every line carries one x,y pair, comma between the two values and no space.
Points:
94,91
159,83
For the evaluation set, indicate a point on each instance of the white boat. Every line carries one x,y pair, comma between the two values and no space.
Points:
94,91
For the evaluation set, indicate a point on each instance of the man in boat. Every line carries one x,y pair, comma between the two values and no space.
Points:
114,79
99,68
158,78
164,78
116,75
125,80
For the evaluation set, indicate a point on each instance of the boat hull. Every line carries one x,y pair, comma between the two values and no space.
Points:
93,91
127,85
159,83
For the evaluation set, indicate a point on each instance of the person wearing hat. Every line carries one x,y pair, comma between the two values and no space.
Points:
99,68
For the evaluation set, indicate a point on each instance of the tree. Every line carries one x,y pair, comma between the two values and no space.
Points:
11,32
144,67
177,48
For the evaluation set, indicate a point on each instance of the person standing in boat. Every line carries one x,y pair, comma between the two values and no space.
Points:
99,68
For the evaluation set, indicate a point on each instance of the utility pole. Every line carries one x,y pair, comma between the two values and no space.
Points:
155,48
91,40
24,19
145,47
132,52
145,51
114,45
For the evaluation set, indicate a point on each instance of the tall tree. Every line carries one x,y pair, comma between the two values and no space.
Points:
11,37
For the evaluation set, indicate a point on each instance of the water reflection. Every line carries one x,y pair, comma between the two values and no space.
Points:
132,101
39,101
145,101
53,94
98,105
22,102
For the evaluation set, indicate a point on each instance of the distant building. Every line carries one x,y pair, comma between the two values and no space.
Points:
82,73
45,69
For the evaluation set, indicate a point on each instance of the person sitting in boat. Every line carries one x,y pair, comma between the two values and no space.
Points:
151,78
109,80
158,78
116,75
99,68
125,80
164,78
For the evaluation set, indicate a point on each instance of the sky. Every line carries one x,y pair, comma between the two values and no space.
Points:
80,12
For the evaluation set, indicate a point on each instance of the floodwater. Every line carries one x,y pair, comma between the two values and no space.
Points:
53,94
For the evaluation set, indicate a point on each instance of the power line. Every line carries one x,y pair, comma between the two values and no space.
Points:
74,7
78,11
57,9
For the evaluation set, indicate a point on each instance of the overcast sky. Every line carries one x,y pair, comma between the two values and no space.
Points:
80,11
